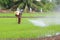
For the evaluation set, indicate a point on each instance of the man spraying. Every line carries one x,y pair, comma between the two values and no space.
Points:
18,14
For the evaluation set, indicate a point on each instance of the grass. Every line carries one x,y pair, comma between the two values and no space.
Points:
27,14
10,29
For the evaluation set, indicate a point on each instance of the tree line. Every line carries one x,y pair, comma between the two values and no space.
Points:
26,4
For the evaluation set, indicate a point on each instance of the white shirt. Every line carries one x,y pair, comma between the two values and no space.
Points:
17,12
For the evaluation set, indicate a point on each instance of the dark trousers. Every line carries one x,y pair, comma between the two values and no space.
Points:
19,20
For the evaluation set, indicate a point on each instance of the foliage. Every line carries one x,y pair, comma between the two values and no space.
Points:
48,6
58,2
6,3
26,4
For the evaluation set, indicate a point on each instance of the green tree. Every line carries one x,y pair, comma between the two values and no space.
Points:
26,4
6,3
45,4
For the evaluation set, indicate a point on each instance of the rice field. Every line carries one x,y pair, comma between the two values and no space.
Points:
10,29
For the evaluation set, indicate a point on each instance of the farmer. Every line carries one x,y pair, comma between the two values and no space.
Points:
18,14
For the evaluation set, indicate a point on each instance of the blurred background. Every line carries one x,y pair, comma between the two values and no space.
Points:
29,5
